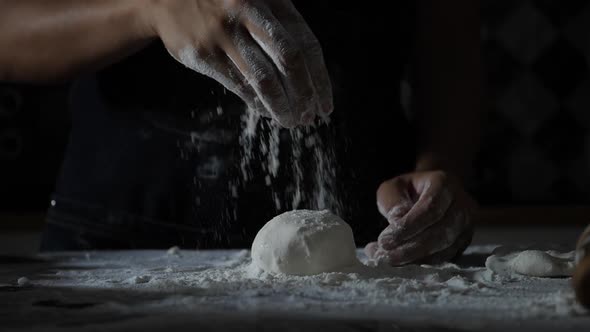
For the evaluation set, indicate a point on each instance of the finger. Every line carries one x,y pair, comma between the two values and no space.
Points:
295,24
435,198
287,56
261,75
393,199
216,65
436,238
370,249
452,253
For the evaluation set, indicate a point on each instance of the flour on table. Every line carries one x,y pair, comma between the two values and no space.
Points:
304,242
534,263
204,282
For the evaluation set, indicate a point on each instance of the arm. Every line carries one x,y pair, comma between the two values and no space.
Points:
447,85
50,40
429,212
261,50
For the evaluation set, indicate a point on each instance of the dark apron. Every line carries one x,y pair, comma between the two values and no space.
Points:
152,163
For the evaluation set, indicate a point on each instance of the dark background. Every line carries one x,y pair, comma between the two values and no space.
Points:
536,146
536,143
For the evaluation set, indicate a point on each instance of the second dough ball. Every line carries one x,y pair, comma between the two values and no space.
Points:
304,242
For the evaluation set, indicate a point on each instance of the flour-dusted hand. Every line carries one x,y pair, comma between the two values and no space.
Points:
261,50
430,219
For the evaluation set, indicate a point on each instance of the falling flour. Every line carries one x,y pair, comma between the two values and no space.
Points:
263,138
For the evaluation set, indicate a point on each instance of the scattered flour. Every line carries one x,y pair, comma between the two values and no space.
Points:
227,282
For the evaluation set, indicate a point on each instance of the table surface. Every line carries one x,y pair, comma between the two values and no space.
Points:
207,290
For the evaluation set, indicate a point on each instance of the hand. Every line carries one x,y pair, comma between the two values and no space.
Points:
261,50
430,219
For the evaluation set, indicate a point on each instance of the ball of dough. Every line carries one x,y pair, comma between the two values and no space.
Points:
304,242
534,263
538,263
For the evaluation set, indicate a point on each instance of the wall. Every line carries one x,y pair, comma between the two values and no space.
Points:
536,146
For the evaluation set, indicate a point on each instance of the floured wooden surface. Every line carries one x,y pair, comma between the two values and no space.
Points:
158,290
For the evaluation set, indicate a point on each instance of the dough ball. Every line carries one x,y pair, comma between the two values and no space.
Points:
541,264
304,242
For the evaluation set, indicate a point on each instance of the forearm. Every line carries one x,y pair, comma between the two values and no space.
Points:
447,84
45,40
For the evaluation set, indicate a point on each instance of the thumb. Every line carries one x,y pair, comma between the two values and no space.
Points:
394,198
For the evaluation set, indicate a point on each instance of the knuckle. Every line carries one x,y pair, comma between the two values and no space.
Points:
264,81
291,57
227,22
266,84
387,238
307,97
220,27
429,203
386,186
205,50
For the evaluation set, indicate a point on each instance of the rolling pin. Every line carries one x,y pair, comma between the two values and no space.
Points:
581,278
